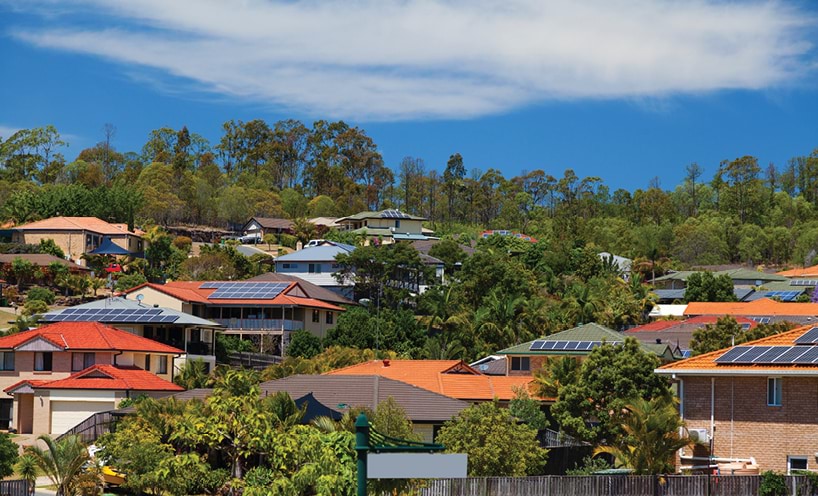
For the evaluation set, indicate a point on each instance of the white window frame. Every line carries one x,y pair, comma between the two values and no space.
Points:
778,384
790,458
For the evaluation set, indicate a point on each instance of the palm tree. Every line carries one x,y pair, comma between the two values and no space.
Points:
62,461
96,283
652,437
27,470
581,305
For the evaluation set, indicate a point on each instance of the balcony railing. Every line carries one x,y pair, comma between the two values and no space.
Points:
261,324
200,348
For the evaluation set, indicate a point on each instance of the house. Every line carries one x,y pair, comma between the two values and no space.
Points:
452,378
41,260
504,232
247,308
753,401
317,265
195,336
622,263
56,376
763,310
526,358
77,236
679,332
267,225
776,289
388,225
800,273
741,277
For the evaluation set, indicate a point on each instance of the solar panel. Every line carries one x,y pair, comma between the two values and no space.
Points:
804,282
753,353
809,337
250,291
732,355
789,354
810,356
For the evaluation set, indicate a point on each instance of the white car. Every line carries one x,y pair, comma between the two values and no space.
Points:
253,238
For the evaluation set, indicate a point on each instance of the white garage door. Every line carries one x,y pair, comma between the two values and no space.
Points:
67,414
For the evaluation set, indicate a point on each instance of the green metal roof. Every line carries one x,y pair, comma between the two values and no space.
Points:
379,215
748,274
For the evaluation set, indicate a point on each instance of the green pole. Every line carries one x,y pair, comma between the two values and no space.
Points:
361,447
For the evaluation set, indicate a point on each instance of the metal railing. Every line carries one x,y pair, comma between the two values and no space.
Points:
261,324
253,360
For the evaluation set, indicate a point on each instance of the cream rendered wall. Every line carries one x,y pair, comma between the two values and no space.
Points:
154,297
321,327
406,225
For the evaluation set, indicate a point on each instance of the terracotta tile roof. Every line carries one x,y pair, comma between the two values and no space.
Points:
698,321
29,382
800,272
707,362
451,378
87,336
92,224
761,307
190,291
112,377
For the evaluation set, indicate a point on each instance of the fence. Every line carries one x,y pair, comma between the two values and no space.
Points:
91,428
14,488
610,485
253,360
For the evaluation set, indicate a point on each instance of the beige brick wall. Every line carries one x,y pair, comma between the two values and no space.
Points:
747,427
72,243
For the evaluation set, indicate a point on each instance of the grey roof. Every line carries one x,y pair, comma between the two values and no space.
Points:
679,294
310,289
324,253
491,365
333,395
271,223
383,214
426,245
184,319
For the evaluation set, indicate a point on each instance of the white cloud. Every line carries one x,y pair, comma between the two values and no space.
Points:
7,131
411,59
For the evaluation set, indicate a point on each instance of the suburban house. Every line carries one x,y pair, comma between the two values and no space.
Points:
247,308
452,378
79,235
504,232
56,376
679,333
762,311
317,265
622,263
752,402
41,260
388,225
267,225
741,277
194,336
334,395
800,273
526,358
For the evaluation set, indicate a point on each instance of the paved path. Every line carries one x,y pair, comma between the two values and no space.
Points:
41,484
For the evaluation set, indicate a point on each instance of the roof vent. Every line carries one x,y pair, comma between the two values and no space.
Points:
658,340
155,305
386,362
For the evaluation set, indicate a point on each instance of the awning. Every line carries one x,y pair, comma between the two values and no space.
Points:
108,247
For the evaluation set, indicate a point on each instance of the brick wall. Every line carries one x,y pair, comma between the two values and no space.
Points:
747,427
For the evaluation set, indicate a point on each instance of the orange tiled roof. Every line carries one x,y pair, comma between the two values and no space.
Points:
87,336
707,361
800,272
761,307
438,376
112,377
701,320
92,224
190,291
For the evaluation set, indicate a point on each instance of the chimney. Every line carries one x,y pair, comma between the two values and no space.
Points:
658,340
386,362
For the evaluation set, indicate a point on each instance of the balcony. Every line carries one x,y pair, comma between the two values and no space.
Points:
260,324
200,348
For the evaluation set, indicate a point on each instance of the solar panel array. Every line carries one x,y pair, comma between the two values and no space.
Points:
393,214
543,345
804,282
244,290
761,320
784,295
771,355
133,315
809,337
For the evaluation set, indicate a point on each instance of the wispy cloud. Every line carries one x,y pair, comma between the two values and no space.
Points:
7,131
416,59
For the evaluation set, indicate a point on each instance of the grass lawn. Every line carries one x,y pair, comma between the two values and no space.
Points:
5,318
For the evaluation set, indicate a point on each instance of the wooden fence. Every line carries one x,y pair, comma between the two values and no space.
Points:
609,485
14,488
91,428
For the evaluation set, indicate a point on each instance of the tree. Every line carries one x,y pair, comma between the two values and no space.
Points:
390,420
62,461
50,247
497,445
704,286
192,375
652,438
303,344
27,469
8,455
610,378
527,410
727,332
556,373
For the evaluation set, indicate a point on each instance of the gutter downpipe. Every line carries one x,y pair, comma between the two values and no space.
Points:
712,415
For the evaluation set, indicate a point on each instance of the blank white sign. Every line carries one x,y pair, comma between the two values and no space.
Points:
416,465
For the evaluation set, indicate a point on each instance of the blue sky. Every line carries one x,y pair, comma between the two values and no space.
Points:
621,89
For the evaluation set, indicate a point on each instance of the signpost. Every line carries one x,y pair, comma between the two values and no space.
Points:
384,457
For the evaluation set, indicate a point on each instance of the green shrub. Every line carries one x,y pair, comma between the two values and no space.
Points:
33,307
303,344
42,294
772,484
128,281
288,240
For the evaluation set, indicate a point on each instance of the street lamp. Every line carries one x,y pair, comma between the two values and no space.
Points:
366,302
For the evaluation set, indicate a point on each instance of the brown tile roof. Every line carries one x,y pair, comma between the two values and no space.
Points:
273,223
40,259
451,378
760,307
705,364
92,224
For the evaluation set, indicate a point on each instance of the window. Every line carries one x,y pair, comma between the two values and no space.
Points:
147,362
520,363
774,391
796,463
6,360
397,224
81,361
329,317
42,361
316,316
315,268
163,365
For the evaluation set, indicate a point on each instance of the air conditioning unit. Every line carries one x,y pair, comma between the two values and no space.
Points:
699,436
